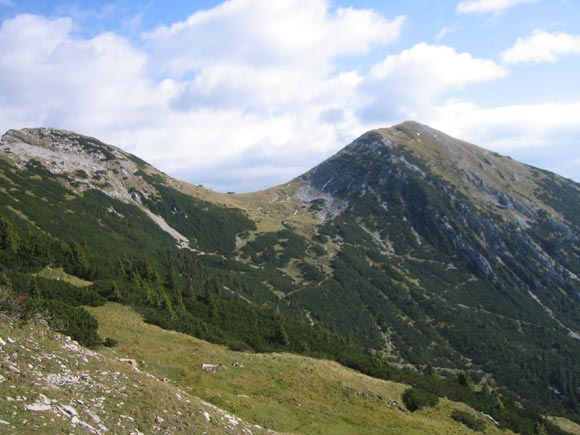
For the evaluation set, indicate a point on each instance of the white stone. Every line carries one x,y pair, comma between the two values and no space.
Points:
13,369
37,407
93,416
88,428
69,410
43,400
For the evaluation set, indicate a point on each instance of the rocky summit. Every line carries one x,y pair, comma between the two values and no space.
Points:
409,255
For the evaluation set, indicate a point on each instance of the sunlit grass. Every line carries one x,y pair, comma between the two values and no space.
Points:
281,391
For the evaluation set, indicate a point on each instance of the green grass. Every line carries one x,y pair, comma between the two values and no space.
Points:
124,400
60,275
567,425
281,391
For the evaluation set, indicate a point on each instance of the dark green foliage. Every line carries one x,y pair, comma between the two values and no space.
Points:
209,227
317,204
416,398
465,379
110,342
452,308
81,174
310,273
42,288
276,249
74,321
468,420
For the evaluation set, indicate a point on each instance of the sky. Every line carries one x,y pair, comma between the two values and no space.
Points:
242,95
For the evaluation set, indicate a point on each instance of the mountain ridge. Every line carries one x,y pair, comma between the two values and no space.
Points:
423,249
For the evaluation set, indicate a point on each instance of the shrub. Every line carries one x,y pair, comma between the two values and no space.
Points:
110,342
73,321
416,398
468,420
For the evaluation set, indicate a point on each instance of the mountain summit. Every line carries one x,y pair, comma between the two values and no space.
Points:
420,249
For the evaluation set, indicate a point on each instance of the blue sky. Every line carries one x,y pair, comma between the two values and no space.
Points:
245,94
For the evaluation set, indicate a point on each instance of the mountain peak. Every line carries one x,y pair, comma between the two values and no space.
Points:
55,140
82,162
410,150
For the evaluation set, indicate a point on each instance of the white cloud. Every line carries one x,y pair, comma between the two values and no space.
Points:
544,135
542,46
486,6
55,79
192,99
444,32
407,84
255,105
506,128
264,33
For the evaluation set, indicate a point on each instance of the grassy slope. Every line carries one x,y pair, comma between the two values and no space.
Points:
104,393
567,425
281,391
267,208
60,275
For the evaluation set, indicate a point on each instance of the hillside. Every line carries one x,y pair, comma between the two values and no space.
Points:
409,253
281,391
50,384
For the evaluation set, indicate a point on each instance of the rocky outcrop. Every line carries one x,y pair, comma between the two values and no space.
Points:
50,383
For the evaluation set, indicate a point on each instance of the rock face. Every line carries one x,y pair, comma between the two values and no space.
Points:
475,207
86,163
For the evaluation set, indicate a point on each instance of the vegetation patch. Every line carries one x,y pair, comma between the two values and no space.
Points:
416,398
469,420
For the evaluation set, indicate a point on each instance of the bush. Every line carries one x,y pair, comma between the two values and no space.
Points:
110,342
73,321
468,420
416,398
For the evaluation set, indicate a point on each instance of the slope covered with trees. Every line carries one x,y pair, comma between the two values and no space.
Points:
428,257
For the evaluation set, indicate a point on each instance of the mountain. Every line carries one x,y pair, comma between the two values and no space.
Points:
407,252
441,242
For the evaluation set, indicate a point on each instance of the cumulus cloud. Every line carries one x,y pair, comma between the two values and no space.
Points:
191,99
542,46
274,55
486,6
407,84
263,33
254,105
543,135
51,78
510,127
